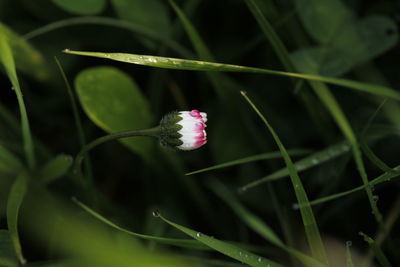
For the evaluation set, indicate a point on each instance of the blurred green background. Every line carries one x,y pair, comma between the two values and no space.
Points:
338,124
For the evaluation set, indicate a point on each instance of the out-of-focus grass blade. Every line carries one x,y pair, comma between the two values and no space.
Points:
8,258
386,177
310,225
225,248
9,163
337,113
257,225
349,261
55,168
15,198
314,159
263,156
184,64
106,21
28,60
186,243
6,57
384,262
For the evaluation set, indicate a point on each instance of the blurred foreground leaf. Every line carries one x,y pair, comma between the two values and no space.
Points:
14,202
8,258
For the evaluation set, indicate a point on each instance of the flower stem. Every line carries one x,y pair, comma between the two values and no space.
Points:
154,132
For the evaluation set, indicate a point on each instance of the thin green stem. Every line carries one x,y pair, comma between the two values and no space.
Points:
154,132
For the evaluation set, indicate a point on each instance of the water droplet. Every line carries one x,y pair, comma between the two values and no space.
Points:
198,234
314,161
66,50
156,213
375,198
349,243
260,259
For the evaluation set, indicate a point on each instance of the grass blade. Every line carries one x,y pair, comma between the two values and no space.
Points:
386,177
263,156
6,57
309,222
384,262
186,243
313,160
225,248
257,225
196,65
15,198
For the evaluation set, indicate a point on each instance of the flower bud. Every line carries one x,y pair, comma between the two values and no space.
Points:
184,130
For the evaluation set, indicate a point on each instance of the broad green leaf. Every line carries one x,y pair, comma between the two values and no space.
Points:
367,39
7,58
224,247
310,225
9,163
183,64
81,7
15,198
152,14
312,160
257,225
323,19
186,243
55,168
8,258
27,58
114,102
263,156
379,255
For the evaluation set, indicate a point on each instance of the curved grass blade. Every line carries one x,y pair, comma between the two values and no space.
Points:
263,156
310,225
15,198
224,247
386,177
105,21
196,65
186,243
6,57
257,225
380,256
306,163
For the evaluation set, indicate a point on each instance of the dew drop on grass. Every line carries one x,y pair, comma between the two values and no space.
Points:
375,198
156,213
314,161
349,243
198,234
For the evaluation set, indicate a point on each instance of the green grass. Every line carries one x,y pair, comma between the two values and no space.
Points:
319,77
